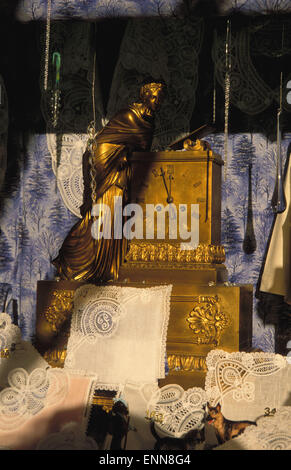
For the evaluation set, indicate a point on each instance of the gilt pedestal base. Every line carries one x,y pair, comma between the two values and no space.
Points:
202,318
205,318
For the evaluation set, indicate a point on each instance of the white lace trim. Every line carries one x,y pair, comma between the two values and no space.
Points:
111,387
68,170
163,343
176,411
28,394
229,373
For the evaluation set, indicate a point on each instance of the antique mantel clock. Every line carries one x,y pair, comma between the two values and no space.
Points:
177,180
206,311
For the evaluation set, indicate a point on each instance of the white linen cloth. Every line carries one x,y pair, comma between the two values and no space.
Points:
277,270
119,333
247,385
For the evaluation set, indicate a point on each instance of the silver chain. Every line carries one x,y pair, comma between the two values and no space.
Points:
47,44
227,92
92,134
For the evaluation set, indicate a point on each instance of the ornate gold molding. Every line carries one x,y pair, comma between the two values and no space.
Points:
181,362
106,402
206,320
165,252
4,353
55,357
60,308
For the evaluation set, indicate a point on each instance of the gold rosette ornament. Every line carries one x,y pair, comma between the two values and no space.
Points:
207,321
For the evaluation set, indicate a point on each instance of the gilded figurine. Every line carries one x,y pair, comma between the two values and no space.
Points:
106,174
200,145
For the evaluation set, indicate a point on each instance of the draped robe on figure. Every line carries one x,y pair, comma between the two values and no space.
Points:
82,257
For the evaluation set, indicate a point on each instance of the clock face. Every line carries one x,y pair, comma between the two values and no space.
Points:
183,184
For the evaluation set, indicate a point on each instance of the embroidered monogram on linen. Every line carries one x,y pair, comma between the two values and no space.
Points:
119,333
97,316
253,380
176,411
28,394
101,317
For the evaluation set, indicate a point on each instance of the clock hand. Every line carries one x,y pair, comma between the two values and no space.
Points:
169,198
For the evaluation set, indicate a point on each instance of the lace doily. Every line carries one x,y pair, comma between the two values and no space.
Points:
23,355
176,411
9,333
249,91
28,394
71,437
68,168
119,333
247,383
270,433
